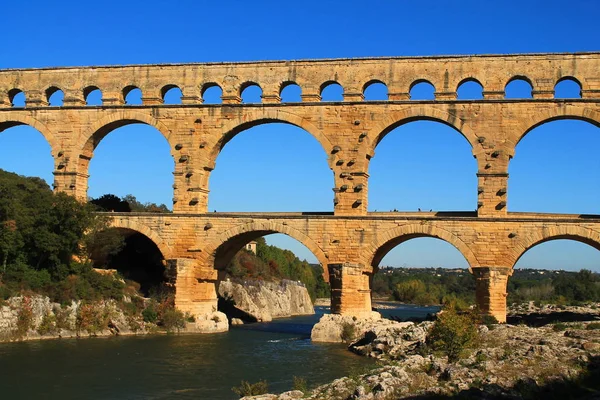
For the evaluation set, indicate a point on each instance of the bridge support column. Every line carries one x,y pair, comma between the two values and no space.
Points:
194,293
350,289
491,290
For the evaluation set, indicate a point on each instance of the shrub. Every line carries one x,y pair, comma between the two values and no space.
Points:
173,319
593,326
251,389
453,332
91,317
150,314
558,327
48,325
300,384
24,318
348,332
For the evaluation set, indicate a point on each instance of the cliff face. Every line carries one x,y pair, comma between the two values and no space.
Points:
263,301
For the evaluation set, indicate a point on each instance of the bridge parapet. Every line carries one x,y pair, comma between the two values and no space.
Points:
445,73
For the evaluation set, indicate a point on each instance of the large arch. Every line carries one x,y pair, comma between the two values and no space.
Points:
97,131
11,119
564,112
423,113
258,117
573,232
128,223
235,238
389,239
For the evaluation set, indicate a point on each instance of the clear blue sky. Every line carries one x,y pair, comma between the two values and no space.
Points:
555,169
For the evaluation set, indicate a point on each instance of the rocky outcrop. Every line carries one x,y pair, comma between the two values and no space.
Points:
507,361
36,317
263,301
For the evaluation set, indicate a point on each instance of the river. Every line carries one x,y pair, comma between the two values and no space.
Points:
177,366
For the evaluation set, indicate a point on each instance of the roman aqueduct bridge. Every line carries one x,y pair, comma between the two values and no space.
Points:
350,242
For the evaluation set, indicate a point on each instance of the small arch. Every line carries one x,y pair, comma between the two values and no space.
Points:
171,94
92,96
332,91
132,95
211,93
567,87
375,90
16,98
251,92
55,96
518,87
386,241
290,92
422,89
469,89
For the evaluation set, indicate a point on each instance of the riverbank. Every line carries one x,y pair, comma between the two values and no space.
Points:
554,360
35,317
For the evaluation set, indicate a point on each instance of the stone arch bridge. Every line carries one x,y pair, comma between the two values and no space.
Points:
349,242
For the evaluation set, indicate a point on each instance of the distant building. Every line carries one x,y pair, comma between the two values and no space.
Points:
251,246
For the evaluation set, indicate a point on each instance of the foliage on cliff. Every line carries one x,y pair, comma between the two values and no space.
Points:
273,263
44,242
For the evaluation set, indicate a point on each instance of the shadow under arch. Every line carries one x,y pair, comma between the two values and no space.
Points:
577,233
255,118
395,119
233,240
131,226
561,113
92,137
389,239
12,119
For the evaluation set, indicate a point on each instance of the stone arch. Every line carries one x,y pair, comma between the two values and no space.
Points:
389,239
10,119
422,113
133,225
252,230
566,111
104,126
544,234
262,116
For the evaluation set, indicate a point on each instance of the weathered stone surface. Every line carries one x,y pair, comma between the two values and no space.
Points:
335,328
211,323
267,300
351,242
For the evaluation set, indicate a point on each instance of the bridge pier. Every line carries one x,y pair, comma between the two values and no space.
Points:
350,289
195,289
491,290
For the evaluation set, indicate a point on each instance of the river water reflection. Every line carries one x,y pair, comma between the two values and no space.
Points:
176,366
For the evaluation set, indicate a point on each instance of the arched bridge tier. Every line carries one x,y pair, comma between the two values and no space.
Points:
348,130
351,247
350,241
